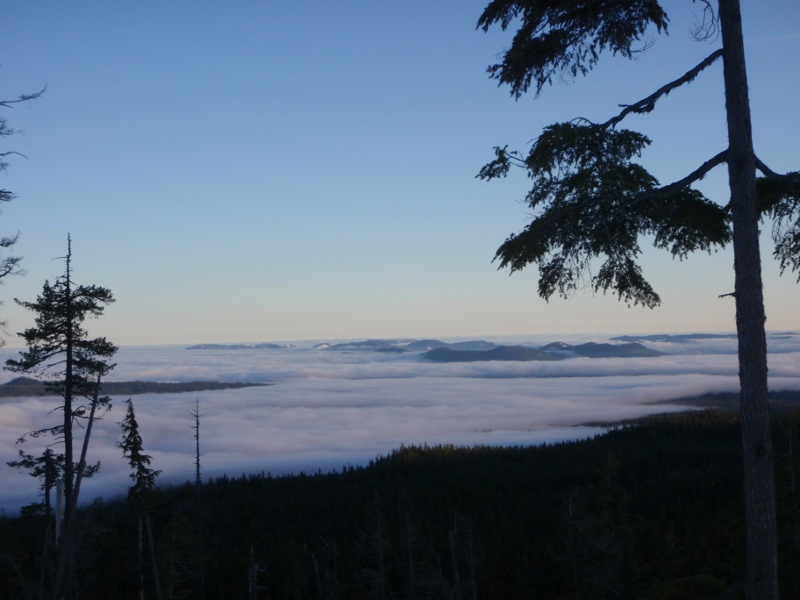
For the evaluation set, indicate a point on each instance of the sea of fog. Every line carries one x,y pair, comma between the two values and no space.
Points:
327,409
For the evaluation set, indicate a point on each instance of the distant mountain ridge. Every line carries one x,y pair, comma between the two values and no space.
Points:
468,351
553,351
518,353
397,345
263,346
683,338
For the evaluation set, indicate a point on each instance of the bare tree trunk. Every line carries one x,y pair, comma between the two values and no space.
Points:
792,485
153,558
64,545
381,554
573,559
452,534
473,581
411,579
85,448
140,558
759,486
73,484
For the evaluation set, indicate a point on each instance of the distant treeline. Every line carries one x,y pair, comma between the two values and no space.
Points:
651,510
779,399
27,386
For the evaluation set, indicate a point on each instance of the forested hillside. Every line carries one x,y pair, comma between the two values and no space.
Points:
645,511
27,386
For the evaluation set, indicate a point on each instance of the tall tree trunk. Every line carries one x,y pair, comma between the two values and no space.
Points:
64,546
85,447
198,489
140,557
762,565
153,557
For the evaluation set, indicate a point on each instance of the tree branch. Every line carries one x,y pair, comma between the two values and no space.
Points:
695,175
709,26
647,104
769,173
22,98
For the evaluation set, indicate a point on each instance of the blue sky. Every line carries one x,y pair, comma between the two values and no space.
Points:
250,171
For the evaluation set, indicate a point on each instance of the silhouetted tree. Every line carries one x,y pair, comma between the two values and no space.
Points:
253,571
47,467
591,200
71,366
144,480
195,415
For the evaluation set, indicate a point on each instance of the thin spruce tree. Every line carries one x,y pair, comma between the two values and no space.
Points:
592,201
140,493
60,353
195,415
198,489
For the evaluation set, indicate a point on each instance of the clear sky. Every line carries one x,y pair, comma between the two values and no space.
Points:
266,171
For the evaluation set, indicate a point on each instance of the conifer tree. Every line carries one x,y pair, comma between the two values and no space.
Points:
592,201
198,489
47,467
144,479
71,365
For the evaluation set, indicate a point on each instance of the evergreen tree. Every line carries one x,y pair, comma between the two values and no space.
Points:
144,479
592,201
47,467
71,365
198,488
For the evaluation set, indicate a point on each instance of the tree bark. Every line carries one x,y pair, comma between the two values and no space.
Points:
759,488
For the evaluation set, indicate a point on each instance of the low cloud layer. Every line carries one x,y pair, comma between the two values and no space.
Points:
329,409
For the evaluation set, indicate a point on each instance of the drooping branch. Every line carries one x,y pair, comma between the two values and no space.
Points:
647,104
11,152
675,186
709,26
786,178
565,38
